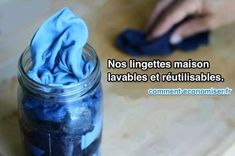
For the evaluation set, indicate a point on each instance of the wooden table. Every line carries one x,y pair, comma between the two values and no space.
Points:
135,124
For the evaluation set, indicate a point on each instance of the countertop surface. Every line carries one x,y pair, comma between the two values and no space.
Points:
135,123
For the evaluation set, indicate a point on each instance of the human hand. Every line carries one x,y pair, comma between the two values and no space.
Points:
209,15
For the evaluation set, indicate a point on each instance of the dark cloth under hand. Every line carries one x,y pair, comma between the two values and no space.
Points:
134,43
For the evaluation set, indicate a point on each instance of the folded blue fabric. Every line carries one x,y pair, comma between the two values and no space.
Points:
56,50
134,43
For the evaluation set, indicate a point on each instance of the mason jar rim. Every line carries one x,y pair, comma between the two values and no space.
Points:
35,86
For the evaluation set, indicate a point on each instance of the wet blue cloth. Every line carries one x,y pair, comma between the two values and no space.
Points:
69,128
56,50
134,43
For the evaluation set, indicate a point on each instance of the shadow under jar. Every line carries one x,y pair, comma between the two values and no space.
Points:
61,120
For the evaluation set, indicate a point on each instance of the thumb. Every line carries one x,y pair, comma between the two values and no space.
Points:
190,28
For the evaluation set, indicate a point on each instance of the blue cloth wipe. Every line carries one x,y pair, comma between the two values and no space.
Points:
72,127
56,50
133,42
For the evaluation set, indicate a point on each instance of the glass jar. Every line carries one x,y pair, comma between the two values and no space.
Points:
61,120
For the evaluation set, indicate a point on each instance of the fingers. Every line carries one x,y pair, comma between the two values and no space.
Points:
159,7
173,15
190,28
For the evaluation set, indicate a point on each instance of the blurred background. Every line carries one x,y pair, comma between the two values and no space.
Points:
135,123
